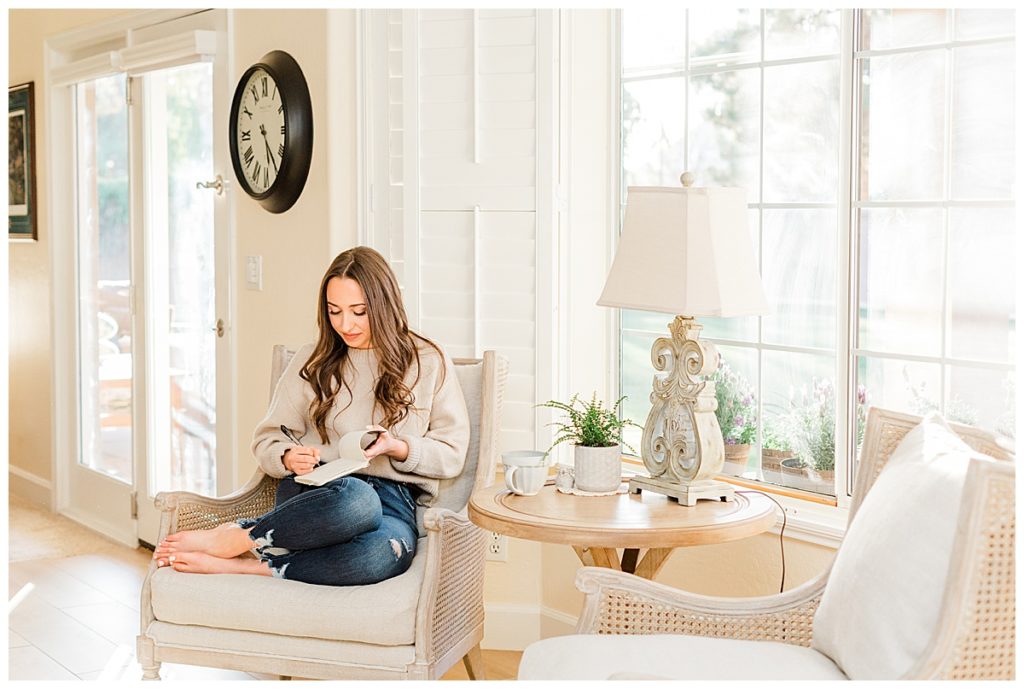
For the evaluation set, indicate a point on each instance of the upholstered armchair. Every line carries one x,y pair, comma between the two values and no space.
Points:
922,586
414,626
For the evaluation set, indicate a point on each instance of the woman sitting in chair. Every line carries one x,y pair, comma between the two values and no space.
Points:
367,369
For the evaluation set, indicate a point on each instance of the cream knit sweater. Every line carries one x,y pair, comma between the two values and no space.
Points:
436,428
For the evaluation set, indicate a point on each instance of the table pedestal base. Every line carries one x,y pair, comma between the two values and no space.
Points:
686,493
648,566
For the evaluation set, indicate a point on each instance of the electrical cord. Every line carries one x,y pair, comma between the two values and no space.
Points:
782,547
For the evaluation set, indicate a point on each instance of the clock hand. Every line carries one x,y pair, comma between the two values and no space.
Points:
270,152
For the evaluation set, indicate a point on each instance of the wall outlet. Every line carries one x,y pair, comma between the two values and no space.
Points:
497,547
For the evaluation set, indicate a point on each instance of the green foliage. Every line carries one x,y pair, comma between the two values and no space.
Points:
737,408
773,439
589,423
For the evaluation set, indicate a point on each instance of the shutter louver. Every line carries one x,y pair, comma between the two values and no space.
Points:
473,187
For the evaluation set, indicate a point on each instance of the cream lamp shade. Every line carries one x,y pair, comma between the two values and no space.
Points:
685,251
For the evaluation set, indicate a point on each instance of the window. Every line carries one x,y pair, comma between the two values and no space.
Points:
882,305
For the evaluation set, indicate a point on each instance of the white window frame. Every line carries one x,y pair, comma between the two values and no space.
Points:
814,522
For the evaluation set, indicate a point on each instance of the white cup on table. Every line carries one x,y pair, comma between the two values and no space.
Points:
525,471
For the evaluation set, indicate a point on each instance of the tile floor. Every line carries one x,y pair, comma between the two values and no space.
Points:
76,616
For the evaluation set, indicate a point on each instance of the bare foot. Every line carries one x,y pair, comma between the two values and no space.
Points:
225,541
203,563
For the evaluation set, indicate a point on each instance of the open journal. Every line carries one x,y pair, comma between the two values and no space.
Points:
350,459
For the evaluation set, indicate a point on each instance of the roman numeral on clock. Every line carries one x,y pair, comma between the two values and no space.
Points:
248,156
280,150
247,135
256,173
255,93
264,86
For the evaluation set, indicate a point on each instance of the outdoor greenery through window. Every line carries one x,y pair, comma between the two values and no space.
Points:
752,98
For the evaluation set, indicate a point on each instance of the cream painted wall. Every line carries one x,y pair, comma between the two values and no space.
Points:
296,246
299,244
30,351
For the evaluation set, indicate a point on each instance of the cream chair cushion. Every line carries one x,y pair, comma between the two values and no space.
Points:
671,656
882,602
266,604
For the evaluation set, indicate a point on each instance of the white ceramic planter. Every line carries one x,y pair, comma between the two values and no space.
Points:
597,469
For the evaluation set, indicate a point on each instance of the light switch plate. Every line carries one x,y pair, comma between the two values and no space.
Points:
254,272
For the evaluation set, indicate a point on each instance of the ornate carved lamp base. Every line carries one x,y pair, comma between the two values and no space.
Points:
686,493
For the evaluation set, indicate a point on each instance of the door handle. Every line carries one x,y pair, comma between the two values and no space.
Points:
219,328
217,184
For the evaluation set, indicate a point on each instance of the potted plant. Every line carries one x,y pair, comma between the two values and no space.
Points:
736,414
812,428
775,448
596,433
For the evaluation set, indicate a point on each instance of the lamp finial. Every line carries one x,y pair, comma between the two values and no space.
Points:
687,179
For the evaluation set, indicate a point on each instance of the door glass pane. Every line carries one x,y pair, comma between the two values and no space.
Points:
180,278
104,328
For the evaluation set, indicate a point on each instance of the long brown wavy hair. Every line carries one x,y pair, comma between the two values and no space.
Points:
394,343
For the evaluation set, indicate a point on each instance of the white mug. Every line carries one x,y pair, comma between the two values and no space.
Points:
525,480
525,471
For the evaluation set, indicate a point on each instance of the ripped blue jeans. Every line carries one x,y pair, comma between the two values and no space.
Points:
353,530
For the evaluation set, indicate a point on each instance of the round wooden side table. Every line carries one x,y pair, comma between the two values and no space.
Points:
596,526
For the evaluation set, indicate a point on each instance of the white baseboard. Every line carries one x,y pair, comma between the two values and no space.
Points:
28,486
120,533
510,627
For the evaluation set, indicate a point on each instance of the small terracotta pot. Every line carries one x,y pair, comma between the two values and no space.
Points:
771,460
739,452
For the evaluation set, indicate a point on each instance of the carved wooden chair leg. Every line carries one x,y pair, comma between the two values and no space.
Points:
144,652
474,663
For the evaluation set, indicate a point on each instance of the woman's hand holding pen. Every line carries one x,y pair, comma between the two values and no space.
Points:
301,460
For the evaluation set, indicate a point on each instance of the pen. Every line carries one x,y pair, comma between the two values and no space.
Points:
289,434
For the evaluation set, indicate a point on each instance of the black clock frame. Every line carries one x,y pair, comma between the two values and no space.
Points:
298,136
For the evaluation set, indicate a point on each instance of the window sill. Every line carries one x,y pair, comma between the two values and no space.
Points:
811,519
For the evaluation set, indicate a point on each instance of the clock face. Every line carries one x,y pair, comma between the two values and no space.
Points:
260,127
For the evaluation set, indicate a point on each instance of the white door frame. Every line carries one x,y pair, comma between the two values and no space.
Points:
75,56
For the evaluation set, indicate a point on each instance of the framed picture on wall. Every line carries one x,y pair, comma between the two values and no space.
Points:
21,162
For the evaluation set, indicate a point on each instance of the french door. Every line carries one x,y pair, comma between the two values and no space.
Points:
153,409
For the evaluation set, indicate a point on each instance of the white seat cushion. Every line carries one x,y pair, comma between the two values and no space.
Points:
881,604
671,656
265,604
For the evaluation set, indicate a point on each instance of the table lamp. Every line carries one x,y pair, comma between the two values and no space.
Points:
684,250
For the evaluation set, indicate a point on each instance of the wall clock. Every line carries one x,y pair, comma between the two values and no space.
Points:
271,136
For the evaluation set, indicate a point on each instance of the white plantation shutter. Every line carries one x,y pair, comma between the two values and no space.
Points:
455,168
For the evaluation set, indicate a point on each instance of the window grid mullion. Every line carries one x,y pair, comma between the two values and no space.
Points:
947,187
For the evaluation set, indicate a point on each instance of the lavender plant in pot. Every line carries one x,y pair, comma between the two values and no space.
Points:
736,414
596,433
